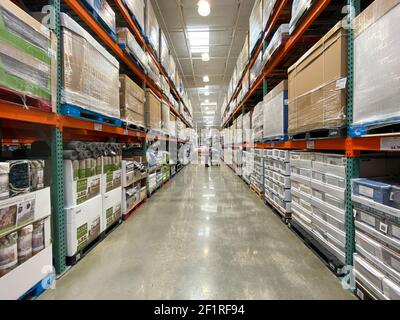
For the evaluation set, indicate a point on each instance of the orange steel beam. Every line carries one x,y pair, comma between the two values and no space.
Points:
268,29
311,16
11,111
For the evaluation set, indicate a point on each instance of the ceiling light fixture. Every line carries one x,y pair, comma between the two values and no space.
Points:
203,8
205,57
206,79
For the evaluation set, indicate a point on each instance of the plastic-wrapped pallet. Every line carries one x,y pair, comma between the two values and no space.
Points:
276,112
256,69
136,7
104,11
27,56
164,51
299,7
165,121
91,74
126,39
152,28
277,180
268,7
247,127
132,99
317,85
153,71
377,65
318,198
248,165
255,25
277,40
257,123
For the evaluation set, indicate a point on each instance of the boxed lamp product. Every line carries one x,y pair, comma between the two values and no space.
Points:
376,45
153,110
91,74
317,85
132,99
276,112
27,57
136,7
127,41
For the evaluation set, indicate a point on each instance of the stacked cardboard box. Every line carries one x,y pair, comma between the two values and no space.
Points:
152,28
318,188
165,118
104,12
258,121
280,36
91,74
377,64
127,40
256,69
277,180
317,85
132,99
248,165
299,8
247,131
276,112
257,178
153,110
27,56
255,24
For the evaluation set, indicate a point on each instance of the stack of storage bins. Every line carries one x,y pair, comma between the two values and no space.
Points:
377,211
318,186
257,178
27,57
276,113
277,180
91,74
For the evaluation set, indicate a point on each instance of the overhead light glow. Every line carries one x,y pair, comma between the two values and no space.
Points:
205,57
206,79
199,39
203,8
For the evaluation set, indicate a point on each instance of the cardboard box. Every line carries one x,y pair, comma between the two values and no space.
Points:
127,40
111,208
28,51
276,111
83,224
172,125
255,24
165,123
91,74
132,99
317,85
152,28
153,110
377,63
136,7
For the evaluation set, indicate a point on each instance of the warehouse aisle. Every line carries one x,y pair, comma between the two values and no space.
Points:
205,235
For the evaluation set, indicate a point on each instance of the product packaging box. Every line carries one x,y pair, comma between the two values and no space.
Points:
111,208
377,64
91,74
83,224
165,123
299,8
152,28
317,85
28,64
153,110
104,11
276,112
132,99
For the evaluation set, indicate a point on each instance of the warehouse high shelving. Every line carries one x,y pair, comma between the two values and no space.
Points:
353,148
26,123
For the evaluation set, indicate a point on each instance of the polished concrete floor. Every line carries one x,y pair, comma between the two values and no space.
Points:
204,235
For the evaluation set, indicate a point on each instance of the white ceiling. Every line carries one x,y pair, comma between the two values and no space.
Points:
228,24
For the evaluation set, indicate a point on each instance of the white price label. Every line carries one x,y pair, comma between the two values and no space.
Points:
390,144
310,144
98,127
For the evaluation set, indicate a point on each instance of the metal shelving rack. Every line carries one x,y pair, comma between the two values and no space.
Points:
352,147
18,122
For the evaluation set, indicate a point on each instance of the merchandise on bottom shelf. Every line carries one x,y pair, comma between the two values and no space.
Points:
152,182
27,57
377,261
131,196
112,210
377,45
91,74
317,86
318,191
277,179
299,7
152,28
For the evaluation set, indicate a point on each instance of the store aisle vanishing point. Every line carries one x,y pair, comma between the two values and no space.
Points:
205,235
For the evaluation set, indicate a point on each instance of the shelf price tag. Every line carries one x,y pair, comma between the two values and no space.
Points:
390,144
311,145
98,127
